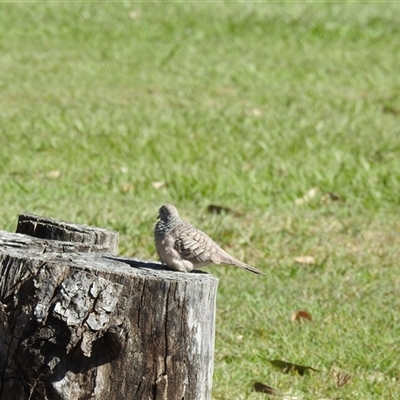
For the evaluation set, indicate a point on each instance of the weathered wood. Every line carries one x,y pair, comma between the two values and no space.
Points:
85,238
95,326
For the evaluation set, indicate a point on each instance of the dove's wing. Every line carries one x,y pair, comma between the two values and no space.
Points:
197,247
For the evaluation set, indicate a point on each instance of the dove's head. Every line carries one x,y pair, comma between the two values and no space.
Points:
167,212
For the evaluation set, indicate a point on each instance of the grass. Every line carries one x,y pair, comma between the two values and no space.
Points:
247,105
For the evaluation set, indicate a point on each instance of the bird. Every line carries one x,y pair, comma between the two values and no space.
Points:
182,247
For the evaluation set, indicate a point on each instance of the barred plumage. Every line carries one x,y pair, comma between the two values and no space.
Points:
182,247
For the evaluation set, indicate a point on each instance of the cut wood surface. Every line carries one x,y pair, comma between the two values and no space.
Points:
86,238
99,326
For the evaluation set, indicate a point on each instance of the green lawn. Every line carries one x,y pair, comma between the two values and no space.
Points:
110,109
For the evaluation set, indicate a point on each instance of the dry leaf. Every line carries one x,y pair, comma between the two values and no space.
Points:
128,186
339,377
287,367
158,185
215,209
133,14
247,166
53,174
261,388
307,197
301,315
256,112
330,197
309,260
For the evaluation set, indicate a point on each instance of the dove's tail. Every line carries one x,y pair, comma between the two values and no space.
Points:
245,266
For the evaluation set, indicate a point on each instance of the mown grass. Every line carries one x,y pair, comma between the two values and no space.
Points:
247,105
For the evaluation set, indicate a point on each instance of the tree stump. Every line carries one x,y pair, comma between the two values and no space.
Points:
78,323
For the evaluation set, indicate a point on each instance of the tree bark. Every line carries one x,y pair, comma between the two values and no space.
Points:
98,326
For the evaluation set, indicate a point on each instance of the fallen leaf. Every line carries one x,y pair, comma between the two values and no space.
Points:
247,166
300,315
128,186
53,174
261,388
215,209
287,367
158,185
309,260
256,112
339,376
309,195
133,14
330,197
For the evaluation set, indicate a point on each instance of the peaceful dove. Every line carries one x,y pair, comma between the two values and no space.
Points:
182,247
